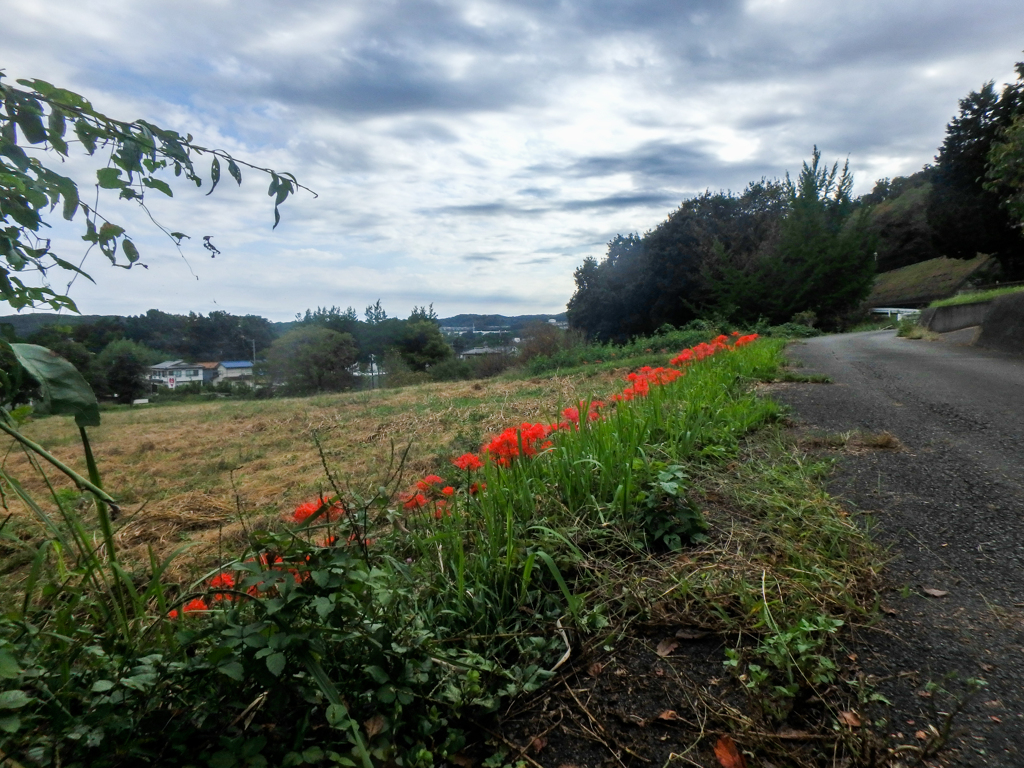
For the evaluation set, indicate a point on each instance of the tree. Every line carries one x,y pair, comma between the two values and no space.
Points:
313,359
822,260
136,157
1005,172
965,211
119,371
1006,169
897,215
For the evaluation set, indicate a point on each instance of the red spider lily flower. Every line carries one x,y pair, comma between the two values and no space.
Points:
441,509
354,539
448,490
506,446
475,488
735,333
428,482
304,511
173,614
413,500
222,581
195,604
468,462
328,541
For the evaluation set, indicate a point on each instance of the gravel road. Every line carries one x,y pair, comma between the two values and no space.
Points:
950,507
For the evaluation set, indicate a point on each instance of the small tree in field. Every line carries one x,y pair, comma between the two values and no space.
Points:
312,359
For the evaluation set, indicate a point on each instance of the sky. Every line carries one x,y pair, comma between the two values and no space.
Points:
470,154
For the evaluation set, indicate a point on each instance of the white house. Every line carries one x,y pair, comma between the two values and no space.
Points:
172,373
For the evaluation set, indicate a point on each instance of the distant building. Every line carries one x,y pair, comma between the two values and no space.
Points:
477,351
235,371
209,372
172,373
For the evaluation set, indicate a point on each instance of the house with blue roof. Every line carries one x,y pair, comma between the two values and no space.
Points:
235,371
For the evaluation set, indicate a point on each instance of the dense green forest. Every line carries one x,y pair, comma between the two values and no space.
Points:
805,249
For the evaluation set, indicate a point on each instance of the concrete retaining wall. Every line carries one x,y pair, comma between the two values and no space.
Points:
1004,325
953,318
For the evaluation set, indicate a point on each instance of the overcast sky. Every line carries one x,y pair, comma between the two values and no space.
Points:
471,154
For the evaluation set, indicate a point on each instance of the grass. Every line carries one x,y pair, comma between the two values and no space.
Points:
976,297
687,502
190,467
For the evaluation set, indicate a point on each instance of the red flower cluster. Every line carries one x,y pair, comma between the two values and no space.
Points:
641,381
468,462
571,416
333,511
430,490
506,446
707,349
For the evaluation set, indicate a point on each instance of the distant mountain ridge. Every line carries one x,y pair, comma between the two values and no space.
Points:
493,322
25,324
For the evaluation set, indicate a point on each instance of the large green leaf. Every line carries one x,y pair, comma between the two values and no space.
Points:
61,385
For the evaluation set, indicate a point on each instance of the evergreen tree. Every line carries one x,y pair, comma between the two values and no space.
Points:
966,214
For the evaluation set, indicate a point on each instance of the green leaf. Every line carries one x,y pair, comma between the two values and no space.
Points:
160,186
14,699
214,175
9,668
130,251
110,232
337,716
70,195
61,385
10,724
109,178
56,123
31,125
101,686
86,135
232,669
16,153
236,174
275,663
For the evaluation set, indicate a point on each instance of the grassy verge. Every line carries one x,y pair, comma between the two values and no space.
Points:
972,298
415,594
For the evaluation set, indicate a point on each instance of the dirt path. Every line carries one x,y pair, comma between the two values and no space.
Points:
950,505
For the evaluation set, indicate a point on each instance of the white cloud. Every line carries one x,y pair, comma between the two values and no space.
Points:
471,152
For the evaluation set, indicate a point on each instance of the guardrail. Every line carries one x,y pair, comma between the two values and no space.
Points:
899,312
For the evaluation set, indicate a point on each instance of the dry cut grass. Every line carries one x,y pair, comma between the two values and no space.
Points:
202,473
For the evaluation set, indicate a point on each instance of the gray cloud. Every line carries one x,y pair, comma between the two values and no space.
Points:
533,126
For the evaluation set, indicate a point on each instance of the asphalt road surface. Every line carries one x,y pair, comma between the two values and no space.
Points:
949,506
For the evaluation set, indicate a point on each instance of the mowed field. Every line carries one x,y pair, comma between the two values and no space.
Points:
203,473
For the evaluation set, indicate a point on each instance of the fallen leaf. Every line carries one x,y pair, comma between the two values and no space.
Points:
994,704
727,754
595,669
659,672
461,760
538,743
921,735
987,667
852,657
690,634
668,714
935,592
994,719
850,718
665,647
925,694
374,725
890,611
